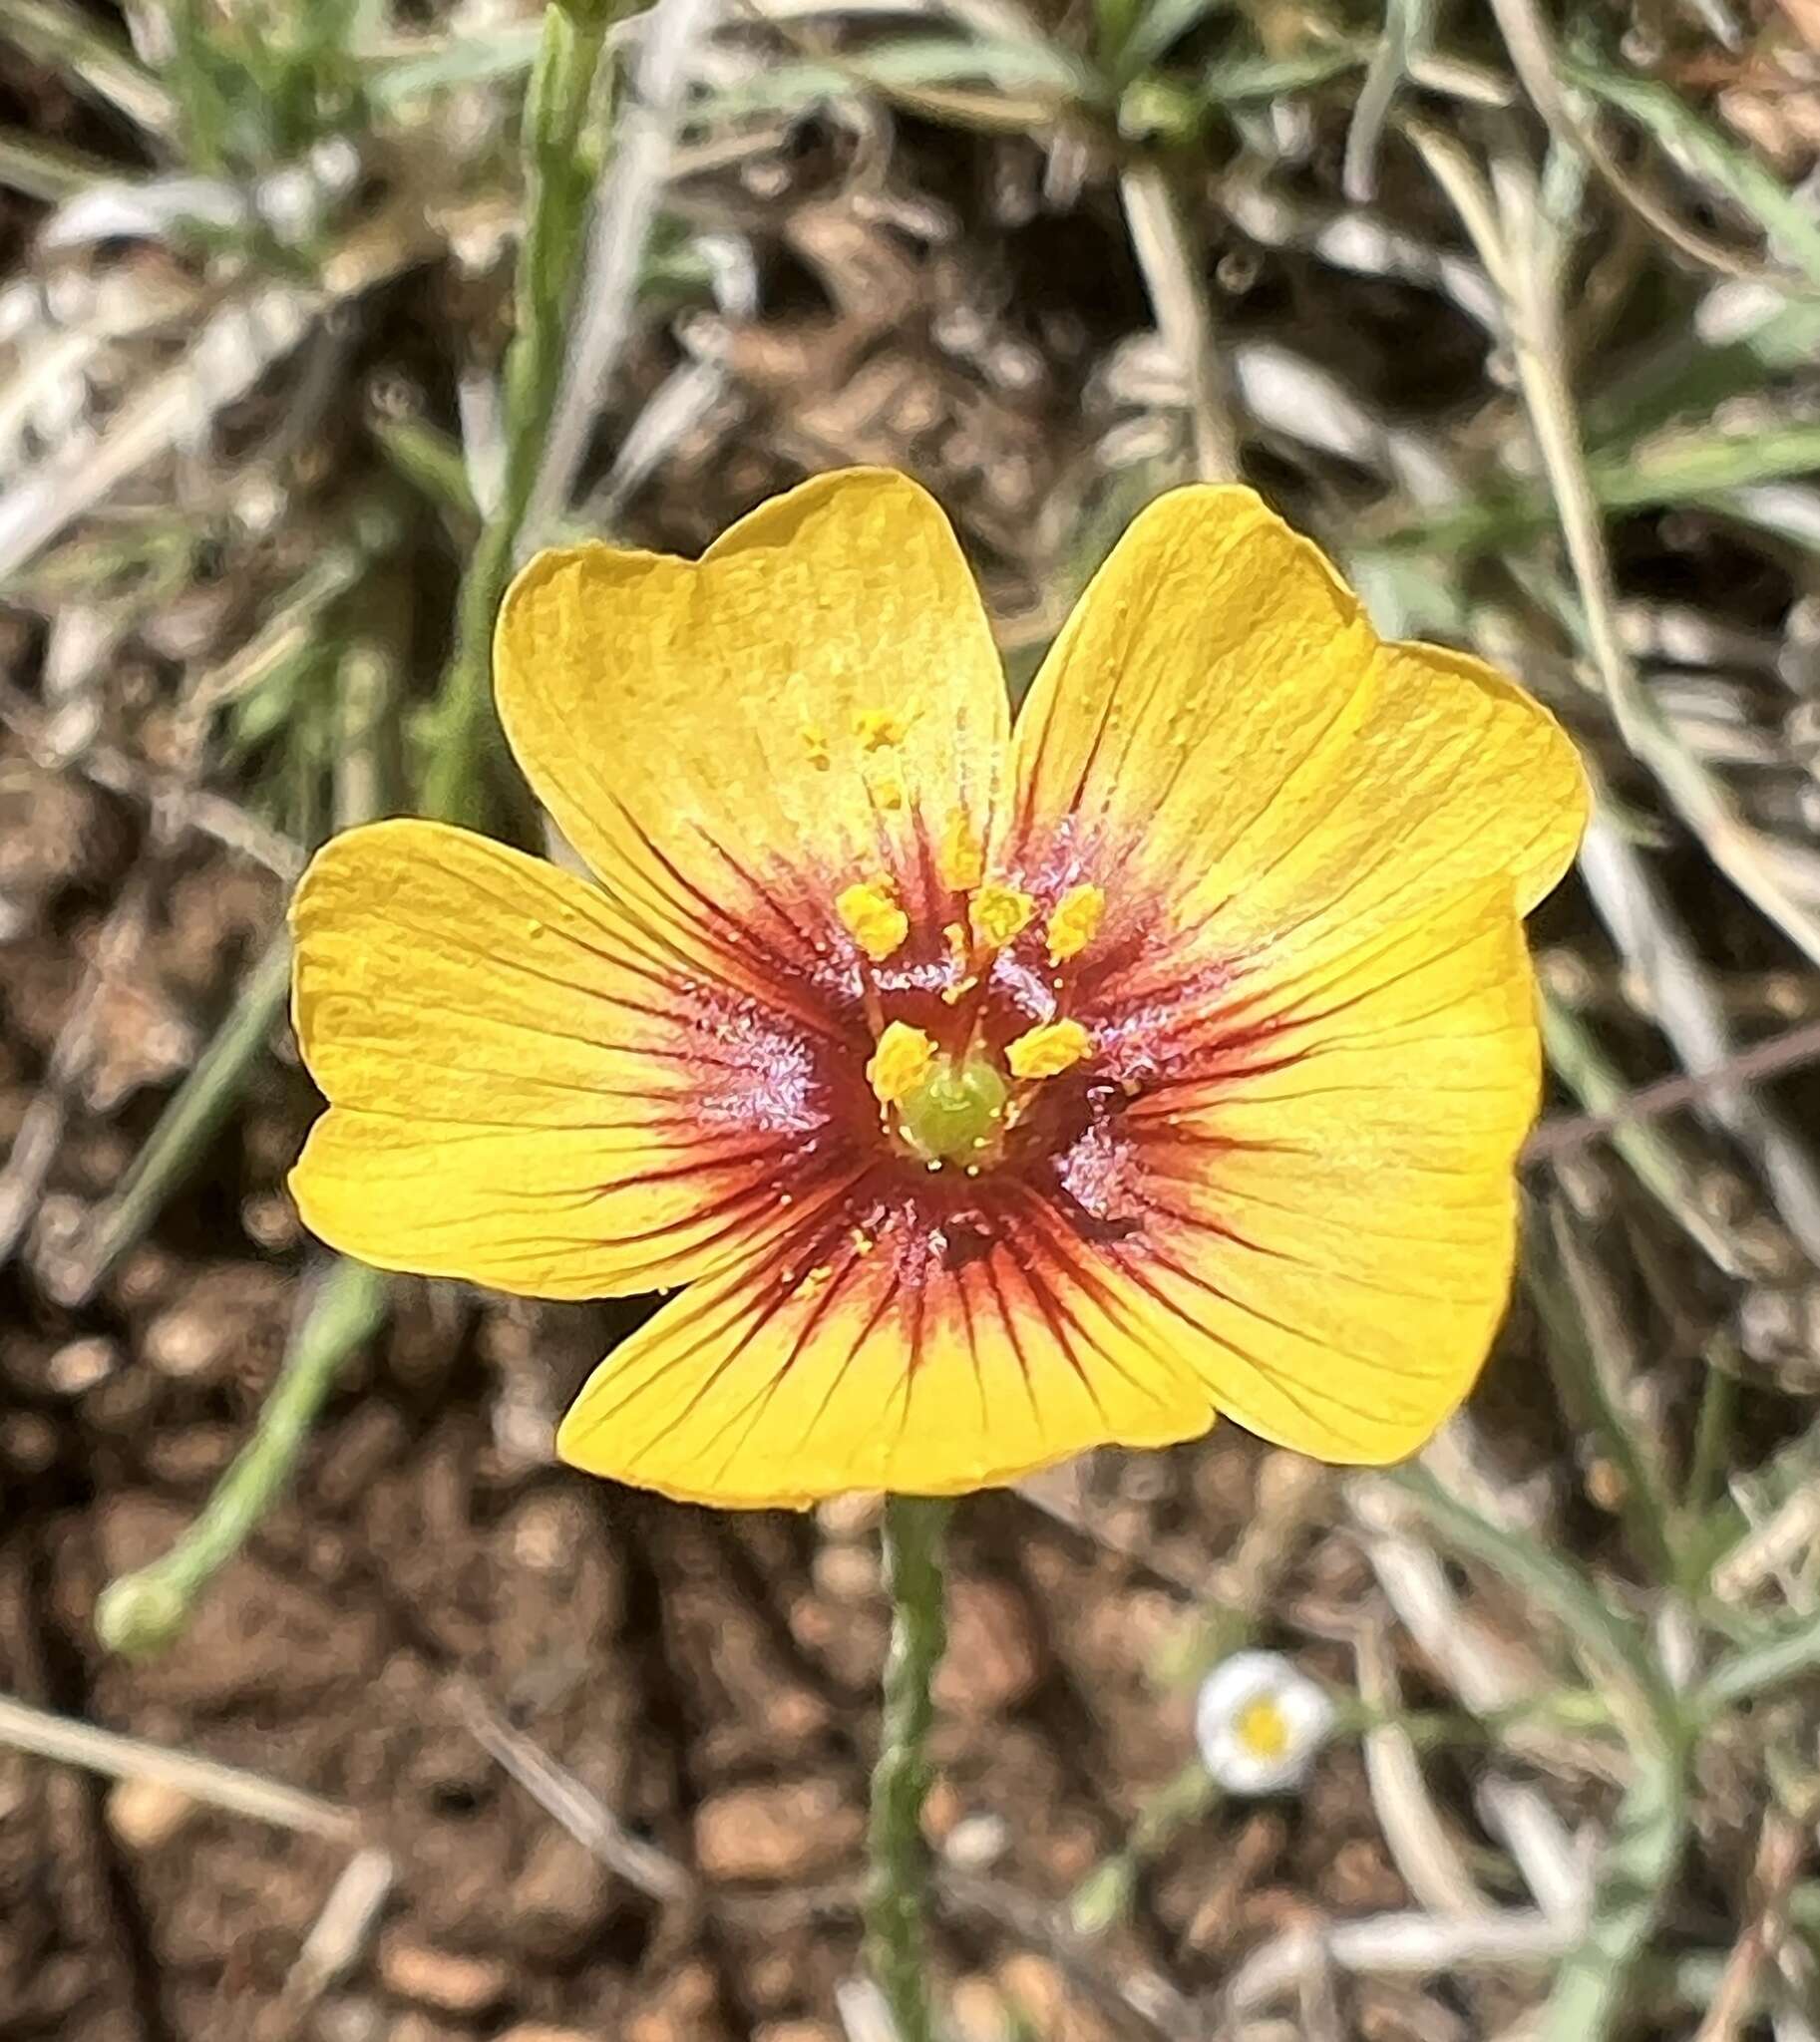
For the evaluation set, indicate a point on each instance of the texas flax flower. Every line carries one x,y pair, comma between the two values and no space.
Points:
996,1093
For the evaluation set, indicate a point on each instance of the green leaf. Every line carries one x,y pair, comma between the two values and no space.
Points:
1791,227
1782,1657
1591,1995
1678,467
1244,81
927,62
1159,26
1611,1644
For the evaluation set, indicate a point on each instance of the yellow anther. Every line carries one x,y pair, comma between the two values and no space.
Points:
815,743
1074,922
863,1242
899,1063
1049,1049
870,916
960,858
887,791
879,728
999,913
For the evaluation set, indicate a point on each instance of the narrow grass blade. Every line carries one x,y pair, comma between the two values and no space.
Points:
1790,1655
1654,1158
64,39
201,1104
1679,467
1558,1273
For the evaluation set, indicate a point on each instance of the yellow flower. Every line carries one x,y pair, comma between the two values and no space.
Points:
1273,1176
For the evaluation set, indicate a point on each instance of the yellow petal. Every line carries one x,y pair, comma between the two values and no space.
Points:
710,736
525,1090
871,1362
1328,1199
1220,740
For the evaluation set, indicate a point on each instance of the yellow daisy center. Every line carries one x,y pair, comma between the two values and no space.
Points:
1263,1729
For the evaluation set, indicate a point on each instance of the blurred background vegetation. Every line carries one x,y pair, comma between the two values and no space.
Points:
315,318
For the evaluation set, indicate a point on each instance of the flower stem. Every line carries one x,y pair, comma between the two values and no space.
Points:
900,1782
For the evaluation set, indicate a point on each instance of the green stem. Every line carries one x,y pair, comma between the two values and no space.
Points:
144,1612
559,178
901,1779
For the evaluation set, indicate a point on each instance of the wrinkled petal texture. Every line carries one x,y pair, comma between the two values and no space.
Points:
1320,1192
524,1089
929,1347
1219,725
1278,1186
730,743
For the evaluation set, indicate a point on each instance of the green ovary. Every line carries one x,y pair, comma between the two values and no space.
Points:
957,1113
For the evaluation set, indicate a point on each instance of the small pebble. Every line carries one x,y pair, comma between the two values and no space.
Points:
145,1813
439,1980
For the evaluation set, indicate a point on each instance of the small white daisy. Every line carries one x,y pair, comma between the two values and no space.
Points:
1260,1722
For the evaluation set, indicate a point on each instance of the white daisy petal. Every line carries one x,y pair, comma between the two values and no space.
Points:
1260,1722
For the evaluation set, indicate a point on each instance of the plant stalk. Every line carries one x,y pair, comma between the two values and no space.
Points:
895,1909
142,1612
561,145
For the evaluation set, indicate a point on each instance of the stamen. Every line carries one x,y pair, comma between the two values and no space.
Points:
999,915
1049,1049
887,791
869,914
879,728
960,859
1075,923
899,1063
815,743
960,956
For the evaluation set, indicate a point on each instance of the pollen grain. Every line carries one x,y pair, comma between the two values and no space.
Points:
879,729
